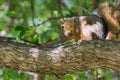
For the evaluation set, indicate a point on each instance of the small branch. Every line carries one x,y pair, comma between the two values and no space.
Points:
85,11
53,18
14,39
10,8
32,10
47,44
56,41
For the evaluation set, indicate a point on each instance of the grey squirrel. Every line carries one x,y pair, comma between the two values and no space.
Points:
83,28
86,28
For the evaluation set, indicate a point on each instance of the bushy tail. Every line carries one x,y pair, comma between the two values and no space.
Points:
110,13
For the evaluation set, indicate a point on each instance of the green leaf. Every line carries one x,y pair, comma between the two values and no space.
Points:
50,77
54,35
22,34
68,77
10,13
14,74
36,38
19,28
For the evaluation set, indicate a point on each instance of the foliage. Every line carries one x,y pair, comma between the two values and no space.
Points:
26,18
9,74
103,74
36,21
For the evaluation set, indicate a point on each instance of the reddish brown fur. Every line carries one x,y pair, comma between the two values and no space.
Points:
87,28
110,12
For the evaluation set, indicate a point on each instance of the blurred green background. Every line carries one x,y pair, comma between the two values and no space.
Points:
37,21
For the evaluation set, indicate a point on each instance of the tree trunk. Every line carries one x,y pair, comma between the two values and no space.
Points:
32,10
95,4
10,8
61,60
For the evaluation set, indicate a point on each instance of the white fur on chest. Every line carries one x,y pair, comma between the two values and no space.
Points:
88,30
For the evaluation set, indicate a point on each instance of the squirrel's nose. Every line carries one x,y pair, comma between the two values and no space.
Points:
68,33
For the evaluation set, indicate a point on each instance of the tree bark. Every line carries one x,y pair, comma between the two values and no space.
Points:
10,8
32,10
95,4
60,60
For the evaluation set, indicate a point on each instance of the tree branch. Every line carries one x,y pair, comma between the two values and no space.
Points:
47,44
61,60
53,18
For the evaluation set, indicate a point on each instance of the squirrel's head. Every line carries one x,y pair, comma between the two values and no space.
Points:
69,28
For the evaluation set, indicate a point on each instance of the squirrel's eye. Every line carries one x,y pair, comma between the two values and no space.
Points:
62,27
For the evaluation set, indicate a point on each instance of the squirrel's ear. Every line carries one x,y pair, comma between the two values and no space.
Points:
60,22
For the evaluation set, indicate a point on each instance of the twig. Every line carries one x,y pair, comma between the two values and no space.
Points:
53,18
56,41
88,12
47,44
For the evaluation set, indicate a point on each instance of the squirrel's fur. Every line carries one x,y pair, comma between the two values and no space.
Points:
84,28
110,13
93,27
